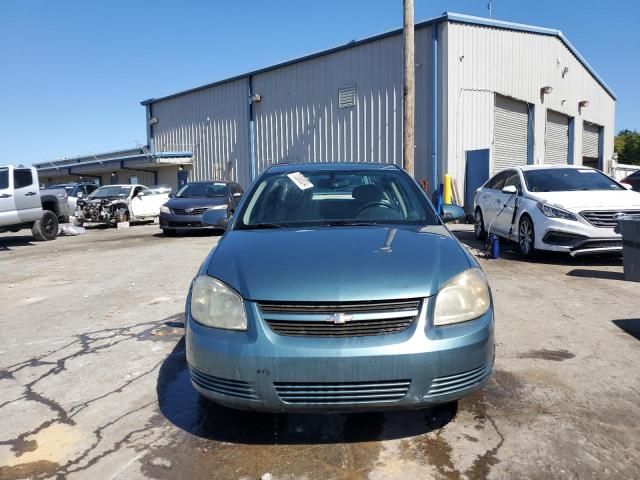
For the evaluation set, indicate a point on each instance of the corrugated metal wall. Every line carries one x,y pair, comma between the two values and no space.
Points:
484,61
298,118
213,124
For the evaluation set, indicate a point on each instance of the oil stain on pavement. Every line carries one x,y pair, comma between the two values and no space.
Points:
545,354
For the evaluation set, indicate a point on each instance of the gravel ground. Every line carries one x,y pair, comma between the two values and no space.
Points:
93,379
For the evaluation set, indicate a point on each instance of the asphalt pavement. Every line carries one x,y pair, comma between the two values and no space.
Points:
93,380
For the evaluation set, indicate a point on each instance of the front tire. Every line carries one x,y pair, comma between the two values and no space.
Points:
478,225
526,237
46,228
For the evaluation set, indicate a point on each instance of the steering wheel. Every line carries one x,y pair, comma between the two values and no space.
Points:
374,204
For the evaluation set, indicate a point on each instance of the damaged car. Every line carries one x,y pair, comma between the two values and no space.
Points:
120,203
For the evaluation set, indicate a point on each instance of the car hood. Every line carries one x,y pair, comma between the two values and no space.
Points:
587,200
195,202
336,264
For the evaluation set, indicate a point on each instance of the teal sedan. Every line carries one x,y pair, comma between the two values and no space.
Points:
338,287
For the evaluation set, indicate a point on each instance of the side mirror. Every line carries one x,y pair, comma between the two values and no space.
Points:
140,194
171,195
237,195
451,213
80,195
510,190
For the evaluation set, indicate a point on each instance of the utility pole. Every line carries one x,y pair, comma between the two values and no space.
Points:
409,91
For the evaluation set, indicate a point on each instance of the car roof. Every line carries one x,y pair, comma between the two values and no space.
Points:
526,168
124,185
324,166
70,184
210,181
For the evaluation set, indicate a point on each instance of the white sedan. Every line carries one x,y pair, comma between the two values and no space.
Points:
559,208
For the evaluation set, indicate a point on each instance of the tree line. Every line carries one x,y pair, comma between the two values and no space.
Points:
627,146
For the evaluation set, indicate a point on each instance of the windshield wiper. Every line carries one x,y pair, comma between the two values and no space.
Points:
257,226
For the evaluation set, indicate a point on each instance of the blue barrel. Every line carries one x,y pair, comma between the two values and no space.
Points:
494,246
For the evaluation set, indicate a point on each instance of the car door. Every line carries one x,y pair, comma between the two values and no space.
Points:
488,198
25,192
139,206
149,202
8,213
503,223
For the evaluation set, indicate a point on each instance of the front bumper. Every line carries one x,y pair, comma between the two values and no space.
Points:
576,237
187,222
261,370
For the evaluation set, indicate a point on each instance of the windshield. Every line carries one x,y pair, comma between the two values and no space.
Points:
568,180
111,192
203,190
335,197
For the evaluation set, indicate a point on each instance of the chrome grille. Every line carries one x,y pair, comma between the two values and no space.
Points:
193,211
224,386
350,319
343,392
605,218
460,381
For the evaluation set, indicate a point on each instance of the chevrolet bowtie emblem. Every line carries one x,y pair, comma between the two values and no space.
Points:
339,318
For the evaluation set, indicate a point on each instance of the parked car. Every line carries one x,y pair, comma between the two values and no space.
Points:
184,210
120,203
74,192
633,181
338,287
558,208
24,205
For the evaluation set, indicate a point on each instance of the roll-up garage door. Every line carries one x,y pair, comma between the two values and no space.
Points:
510,134
556,139
590,144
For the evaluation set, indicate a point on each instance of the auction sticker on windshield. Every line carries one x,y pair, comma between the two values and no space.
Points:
300,180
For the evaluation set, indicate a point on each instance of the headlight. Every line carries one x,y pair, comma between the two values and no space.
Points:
218,207
215,305
463,298
164,209
555,212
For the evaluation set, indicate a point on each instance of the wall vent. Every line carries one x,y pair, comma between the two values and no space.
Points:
347,96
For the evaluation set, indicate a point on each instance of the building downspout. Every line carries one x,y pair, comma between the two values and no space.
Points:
150,141
252,163
434,120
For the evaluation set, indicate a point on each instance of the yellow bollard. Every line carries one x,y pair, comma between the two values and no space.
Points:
446,192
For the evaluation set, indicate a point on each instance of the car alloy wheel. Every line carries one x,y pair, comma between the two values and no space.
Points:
525,236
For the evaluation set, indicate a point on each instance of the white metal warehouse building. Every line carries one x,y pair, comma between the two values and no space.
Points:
489,94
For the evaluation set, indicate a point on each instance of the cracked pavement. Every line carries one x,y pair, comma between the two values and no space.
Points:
93,380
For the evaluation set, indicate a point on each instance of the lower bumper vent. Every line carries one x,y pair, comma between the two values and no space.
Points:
223,386
337,393
460,381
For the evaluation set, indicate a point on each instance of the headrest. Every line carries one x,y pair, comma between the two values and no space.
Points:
367,193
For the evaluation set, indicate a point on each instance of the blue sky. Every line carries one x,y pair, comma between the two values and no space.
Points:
72,72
